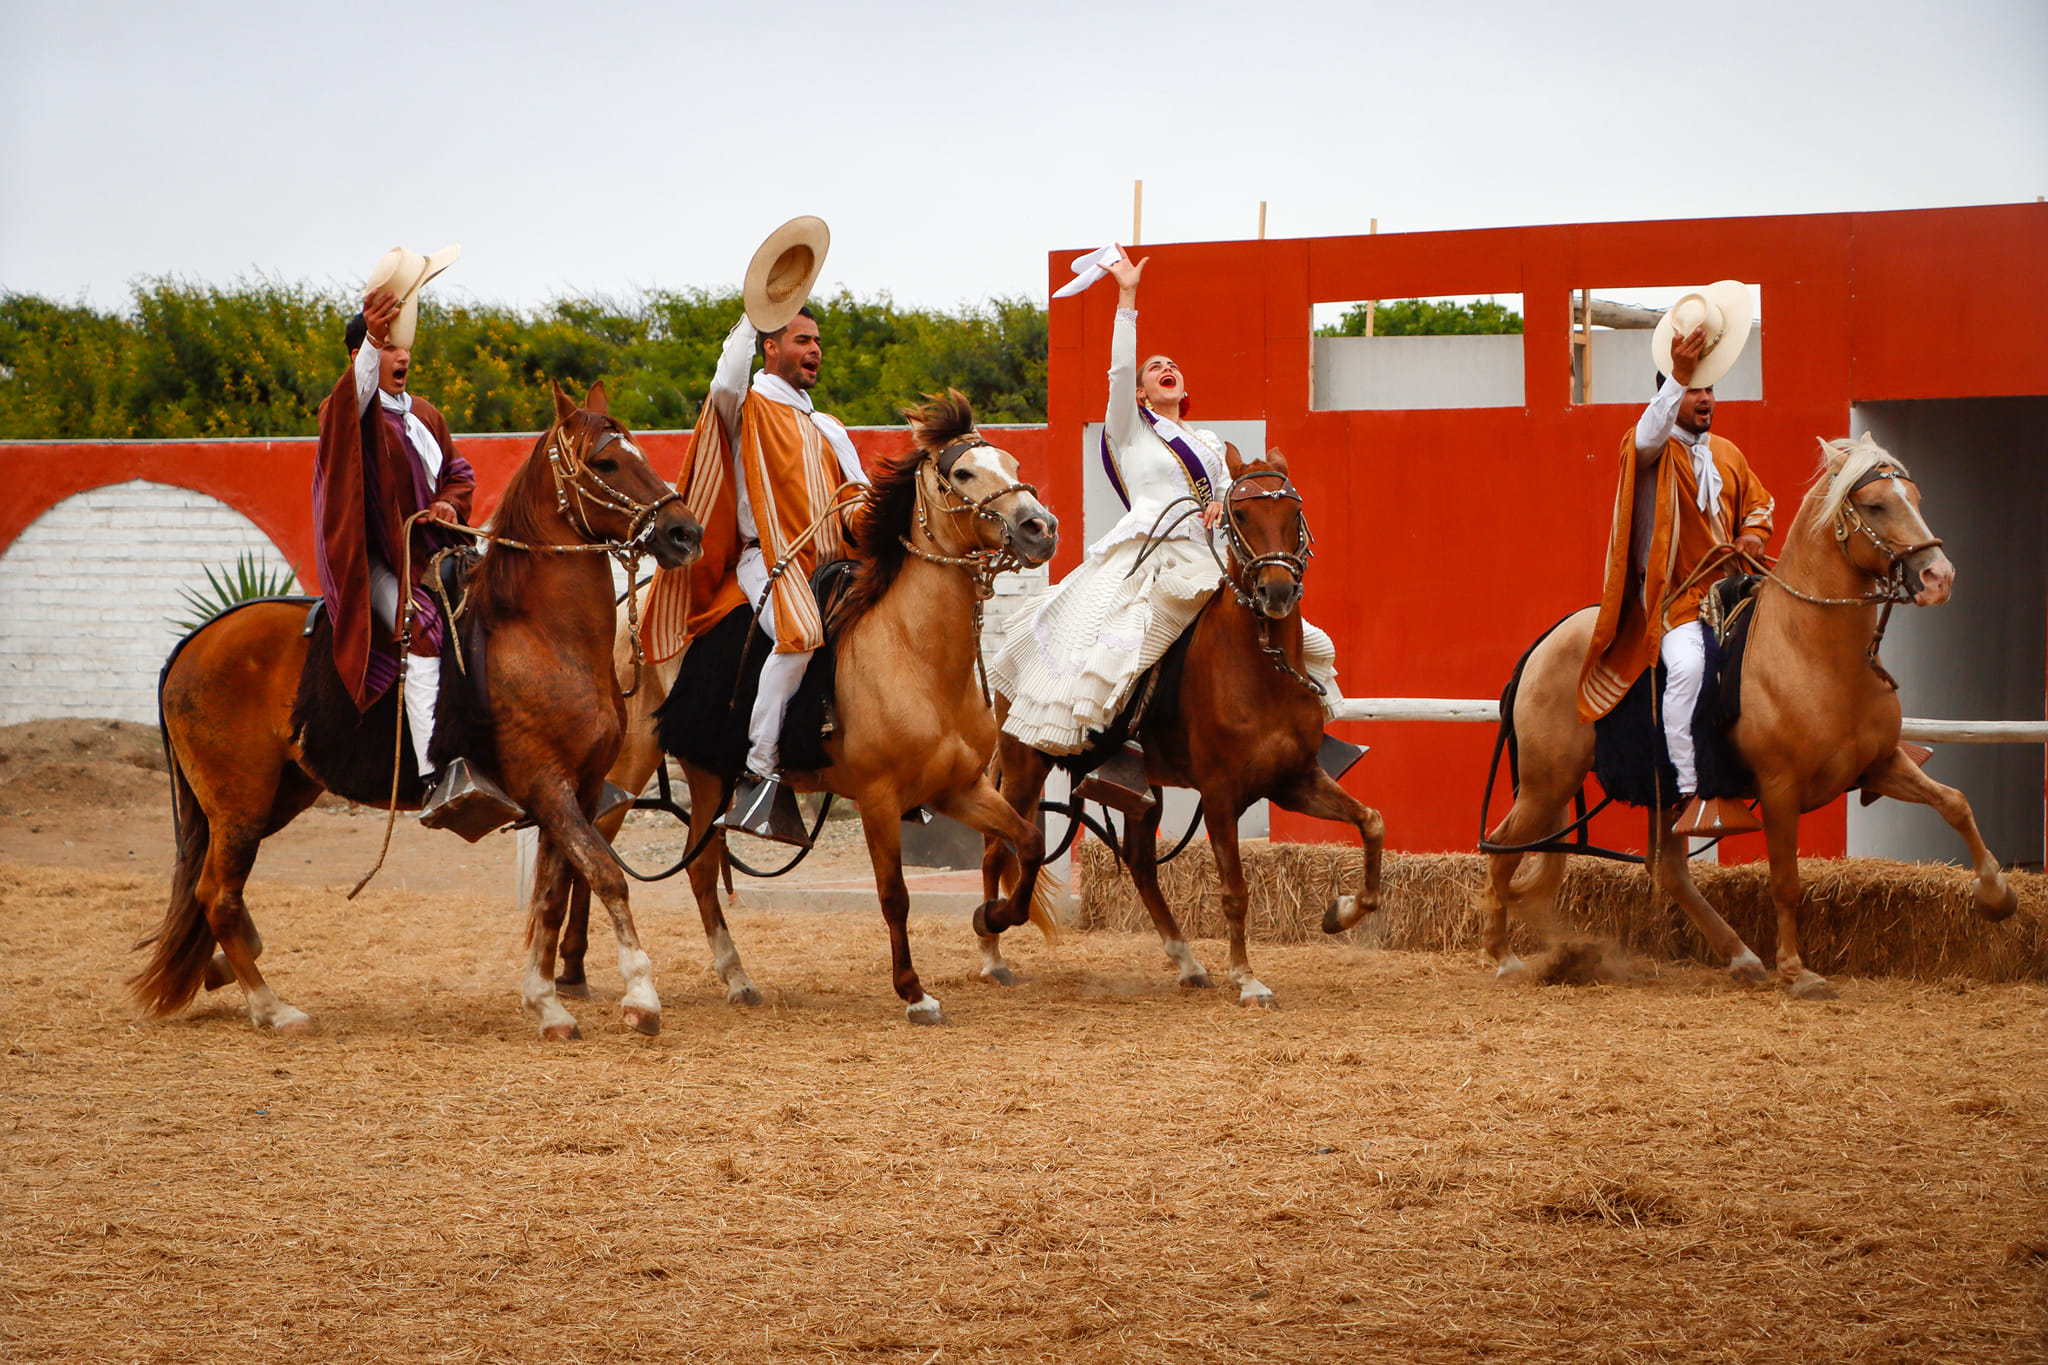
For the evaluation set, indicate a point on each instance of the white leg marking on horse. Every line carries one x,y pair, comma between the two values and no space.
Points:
1510,966
1747,966
725,963
544,1005
1251,991
993,967
1183,957
640,1005
927,1011
267,1011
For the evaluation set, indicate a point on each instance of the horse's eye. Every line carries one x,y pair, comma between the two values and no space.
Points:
605,466
961,475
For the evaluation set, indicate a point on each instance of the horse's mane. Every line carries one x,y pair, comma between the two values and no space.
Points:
890,509
1842,462
498,583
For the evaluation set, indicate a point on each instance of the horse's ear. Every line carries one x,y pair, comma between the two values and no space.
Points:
565,406
1233,461
1277,460
597,400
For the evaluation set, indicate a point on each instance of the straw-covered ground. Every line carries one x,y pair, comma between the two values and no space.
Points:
1406,1163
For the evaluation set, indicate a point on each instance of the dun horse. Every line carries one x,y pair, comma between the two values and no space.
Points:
913,728
1818,717
239,771
1243,726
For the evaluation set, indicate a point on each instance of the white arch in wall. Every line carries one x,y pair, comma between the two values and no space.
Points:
89,591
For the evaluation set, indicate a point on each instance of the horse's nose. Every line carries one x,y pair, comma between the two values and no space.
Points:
1937,579
685,538
1037,535
1278,599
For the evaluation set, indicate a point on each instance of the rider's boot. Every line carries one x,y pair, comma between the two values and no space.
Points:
766,808
1705,817
1120,783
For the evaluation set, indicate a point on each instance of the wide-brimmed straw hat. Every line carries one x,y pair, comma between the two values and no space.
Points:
403,271
1723,309
781,275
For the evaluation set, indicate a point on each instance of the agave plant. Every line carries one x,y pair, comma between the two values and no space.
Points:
250,578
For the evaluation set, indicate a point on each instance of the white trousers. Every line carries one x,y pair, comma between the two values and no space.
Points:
1685,668
780,676
422,671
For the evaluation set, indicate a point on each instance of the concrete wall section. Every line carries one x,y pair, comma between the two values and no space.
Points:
1400,373
89,590
1623,371
1982,467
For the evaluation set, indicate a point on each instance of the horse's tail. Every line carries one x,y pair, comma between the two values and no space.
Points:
1505,738
1045,899
183,940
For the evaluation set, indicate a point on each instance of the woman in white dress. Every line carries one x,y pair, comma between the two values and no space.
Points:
1068,665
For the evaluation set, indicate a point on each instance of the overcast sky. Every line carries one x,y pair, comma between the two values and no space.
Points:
580,148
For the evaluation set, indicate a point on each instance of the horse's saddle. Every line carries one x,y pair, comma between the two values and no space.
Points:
351,752
704,719
1629,754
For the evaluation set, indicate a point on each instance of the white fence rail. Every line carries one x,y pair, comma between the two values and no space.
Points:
1483,709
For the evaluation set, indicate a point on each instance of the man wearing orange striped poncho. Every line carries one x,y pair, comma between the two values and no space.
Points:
765,465
1683,492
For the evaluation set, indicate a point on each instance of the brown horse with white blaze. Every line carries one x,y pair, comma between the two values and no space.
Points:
913,728
1818,717
239,770
1246,726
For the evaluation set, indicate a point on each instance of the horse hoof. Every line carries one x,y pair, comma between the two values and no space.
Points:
1264,999
561,1033
291,1023
927,1011
1198,982
1333,917
1811,986
745,995
2001,901
1749,969
1510,968
219,974
980,921
642,1021
1001,976
578,989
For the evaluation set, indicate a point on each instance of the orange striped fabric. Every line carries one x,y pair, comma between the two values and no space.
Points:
1626,638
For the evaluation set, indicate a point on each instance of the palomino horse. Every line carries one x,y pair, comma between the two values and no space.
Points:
1245,726
913,727
1818,716
239,772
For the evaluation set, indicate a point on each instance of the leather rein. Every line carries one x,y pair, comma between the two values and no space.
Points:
1892,589
1247,561
981,565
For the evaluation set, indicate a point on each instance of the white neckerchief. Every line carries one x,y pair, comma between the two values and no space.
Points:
780,390
1704,470
416,431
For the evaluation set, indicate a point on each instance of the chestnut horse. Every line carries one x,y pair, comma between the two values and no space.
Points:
1818,716
239,772
1246,726
913,726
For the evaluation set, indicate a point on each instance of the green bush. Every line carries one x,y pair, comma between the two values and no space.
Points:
255,359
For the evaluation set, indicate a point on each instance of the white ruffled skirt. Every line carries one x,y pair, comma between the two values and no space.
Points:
1068,664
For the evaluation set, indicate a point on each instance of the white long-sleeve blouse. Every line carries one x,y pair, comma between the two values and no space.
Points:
1152,473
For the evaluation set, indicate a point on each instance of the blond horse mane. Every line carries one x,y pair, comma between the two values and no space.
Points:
1842,462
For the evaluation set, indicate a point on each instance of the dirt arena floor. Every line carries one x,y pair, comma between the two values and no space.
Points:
1405,1163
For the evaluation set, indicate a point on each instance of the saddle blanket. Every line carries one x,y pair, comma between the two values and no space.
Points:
704,719
1629,754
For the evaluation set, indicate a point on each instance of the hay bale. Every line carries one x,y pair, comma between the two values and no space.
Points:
1858,916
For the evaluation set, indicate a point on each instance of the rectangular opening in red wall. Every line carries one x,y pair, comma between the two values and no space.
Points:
1408,354
1610,361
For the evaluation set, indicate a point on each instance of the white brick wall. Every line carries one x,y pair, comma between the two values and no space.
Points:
88,593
